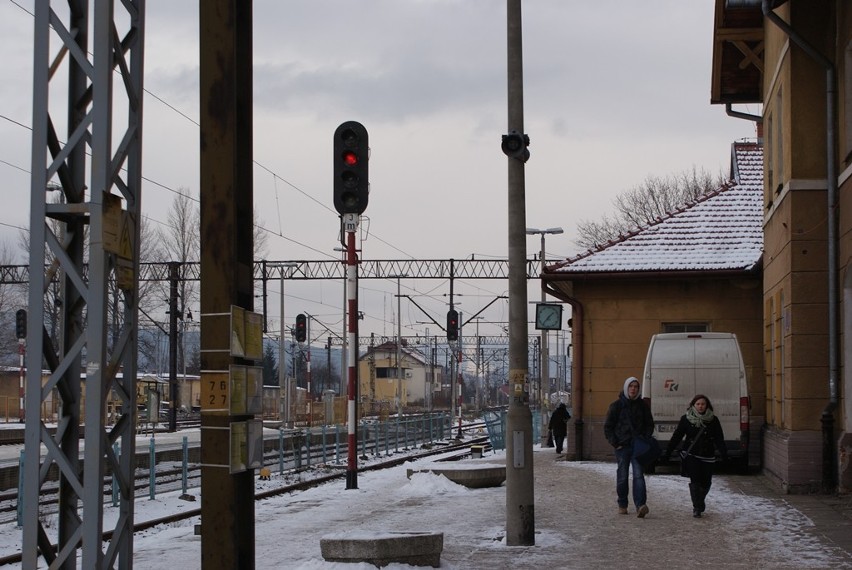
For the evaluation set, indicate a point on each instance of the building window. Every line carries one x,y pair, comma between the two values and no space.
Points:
770,163
776,323
769,343
847,98
685,327
782,325
388,372
778,143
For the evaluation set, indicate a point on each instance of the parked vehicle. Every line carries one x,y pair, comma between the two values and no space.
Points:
681,365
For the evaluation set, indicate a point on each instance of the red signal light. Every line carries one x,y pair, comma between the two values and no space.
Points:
351,159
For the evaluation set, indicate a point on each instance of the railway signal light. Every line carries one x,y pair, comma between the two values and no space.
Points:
21,324
301,327
351,158
515,146
452,324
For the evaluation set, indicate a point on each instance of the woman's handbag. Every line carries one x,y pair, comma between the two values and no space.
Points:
646,450
687,464
687,460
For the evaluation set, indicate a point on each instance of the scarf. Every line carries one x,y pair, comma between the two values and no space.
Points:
697,419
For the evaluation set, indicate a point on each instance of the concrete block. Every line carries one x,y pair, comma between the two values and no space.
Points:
470,474
383,548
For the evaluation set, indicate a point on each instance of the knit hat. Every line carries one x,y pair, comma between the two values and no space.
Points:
627,383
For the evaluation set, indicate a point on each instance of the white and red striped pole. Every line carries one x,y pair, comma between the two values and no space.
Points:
459,385
350,222
22,351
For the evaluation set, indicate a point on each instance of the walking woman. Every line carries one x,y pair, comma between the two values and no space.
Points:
702,434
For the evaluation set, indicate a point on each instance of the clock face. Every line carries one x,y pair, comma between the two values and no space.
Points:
548,316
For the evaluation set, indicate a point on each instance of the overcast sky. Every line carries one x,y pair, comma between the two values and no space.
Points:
613,92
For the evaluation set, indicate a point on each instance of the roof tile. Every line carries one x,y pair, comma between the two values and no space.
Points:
722,230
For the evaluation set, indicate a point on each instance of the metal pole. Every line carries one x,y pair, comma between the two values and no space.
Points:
173,317
520,507
459,378
350,222
283,404
544,375
310,397
344,350
398,349
22,352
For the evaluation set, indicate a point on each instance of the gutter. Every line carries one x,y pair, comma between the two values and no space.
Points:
655,275
829,456
740,115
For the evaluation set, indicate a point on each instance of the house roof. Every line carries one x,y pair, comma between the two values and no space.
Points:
738,49
721,231
390,348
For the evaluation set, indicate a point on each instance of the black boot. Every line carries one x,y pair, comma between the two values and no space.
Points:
701,493
694,491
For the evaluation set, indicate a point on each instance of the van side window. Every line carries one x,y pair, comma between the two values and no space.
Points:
685,327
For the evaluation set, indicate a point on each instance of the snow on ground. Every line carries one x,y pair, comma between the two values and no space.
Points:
288,527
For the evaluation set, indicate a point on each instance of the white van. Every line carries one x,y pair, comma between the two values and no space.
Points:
681,365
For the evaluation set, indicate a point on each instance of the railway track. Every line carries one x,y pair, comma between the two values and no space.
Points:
311,476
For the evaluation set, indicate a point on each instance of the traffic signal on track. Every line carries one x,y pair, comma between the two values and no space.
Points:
301,327
452,324
21,323
515,146
351,158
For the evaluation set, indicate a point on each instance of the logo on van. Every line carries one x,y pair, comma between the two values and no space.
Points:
670,385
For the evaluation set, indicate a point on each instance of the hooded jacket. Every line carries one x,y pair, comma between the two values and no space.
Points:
559,420
626,417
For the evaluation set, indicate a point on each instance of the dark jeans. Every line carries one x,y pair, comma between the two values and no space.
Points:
624,457
558,441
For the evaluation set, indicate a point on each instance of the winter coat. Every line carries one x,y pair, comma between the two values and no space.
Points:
625,418
559,421
711,439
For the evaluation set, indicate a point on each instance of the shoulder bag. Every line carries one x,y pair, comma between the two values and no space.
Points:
646,449
687,460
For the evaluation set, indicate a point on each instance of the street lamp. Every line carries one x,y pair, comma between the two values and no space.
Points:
544,373
398,342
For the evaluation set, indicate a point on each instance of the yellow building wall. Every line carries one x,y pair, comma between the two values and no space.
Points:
621,315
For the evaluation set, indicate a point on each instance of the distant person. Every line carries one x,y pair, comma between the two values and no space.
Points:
559,425
703,433
629,415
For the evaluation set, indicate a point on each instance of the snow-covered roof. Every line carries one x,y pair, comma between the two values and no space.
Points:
389,347
721,231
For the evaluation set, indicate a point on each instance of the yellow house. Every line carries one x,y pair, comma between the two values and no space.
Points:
387,375
795,58
698,269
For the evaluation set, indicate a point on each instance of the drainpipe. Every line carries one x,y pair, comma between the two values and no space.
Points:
829,459
740,115
576,364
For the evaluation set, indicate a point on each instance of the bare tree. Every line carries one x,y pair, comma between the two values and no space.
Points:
261,238
654,198
12,298
179,241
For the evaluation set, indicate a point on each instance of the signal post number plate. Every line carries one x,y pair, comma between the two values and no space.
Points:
215,395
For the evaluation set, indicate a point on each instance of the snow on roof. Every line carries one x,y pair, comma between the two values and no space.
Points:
720,231
390,347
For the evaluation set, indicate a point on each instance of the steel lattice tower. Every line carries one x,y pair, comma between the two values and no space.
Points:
97,73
